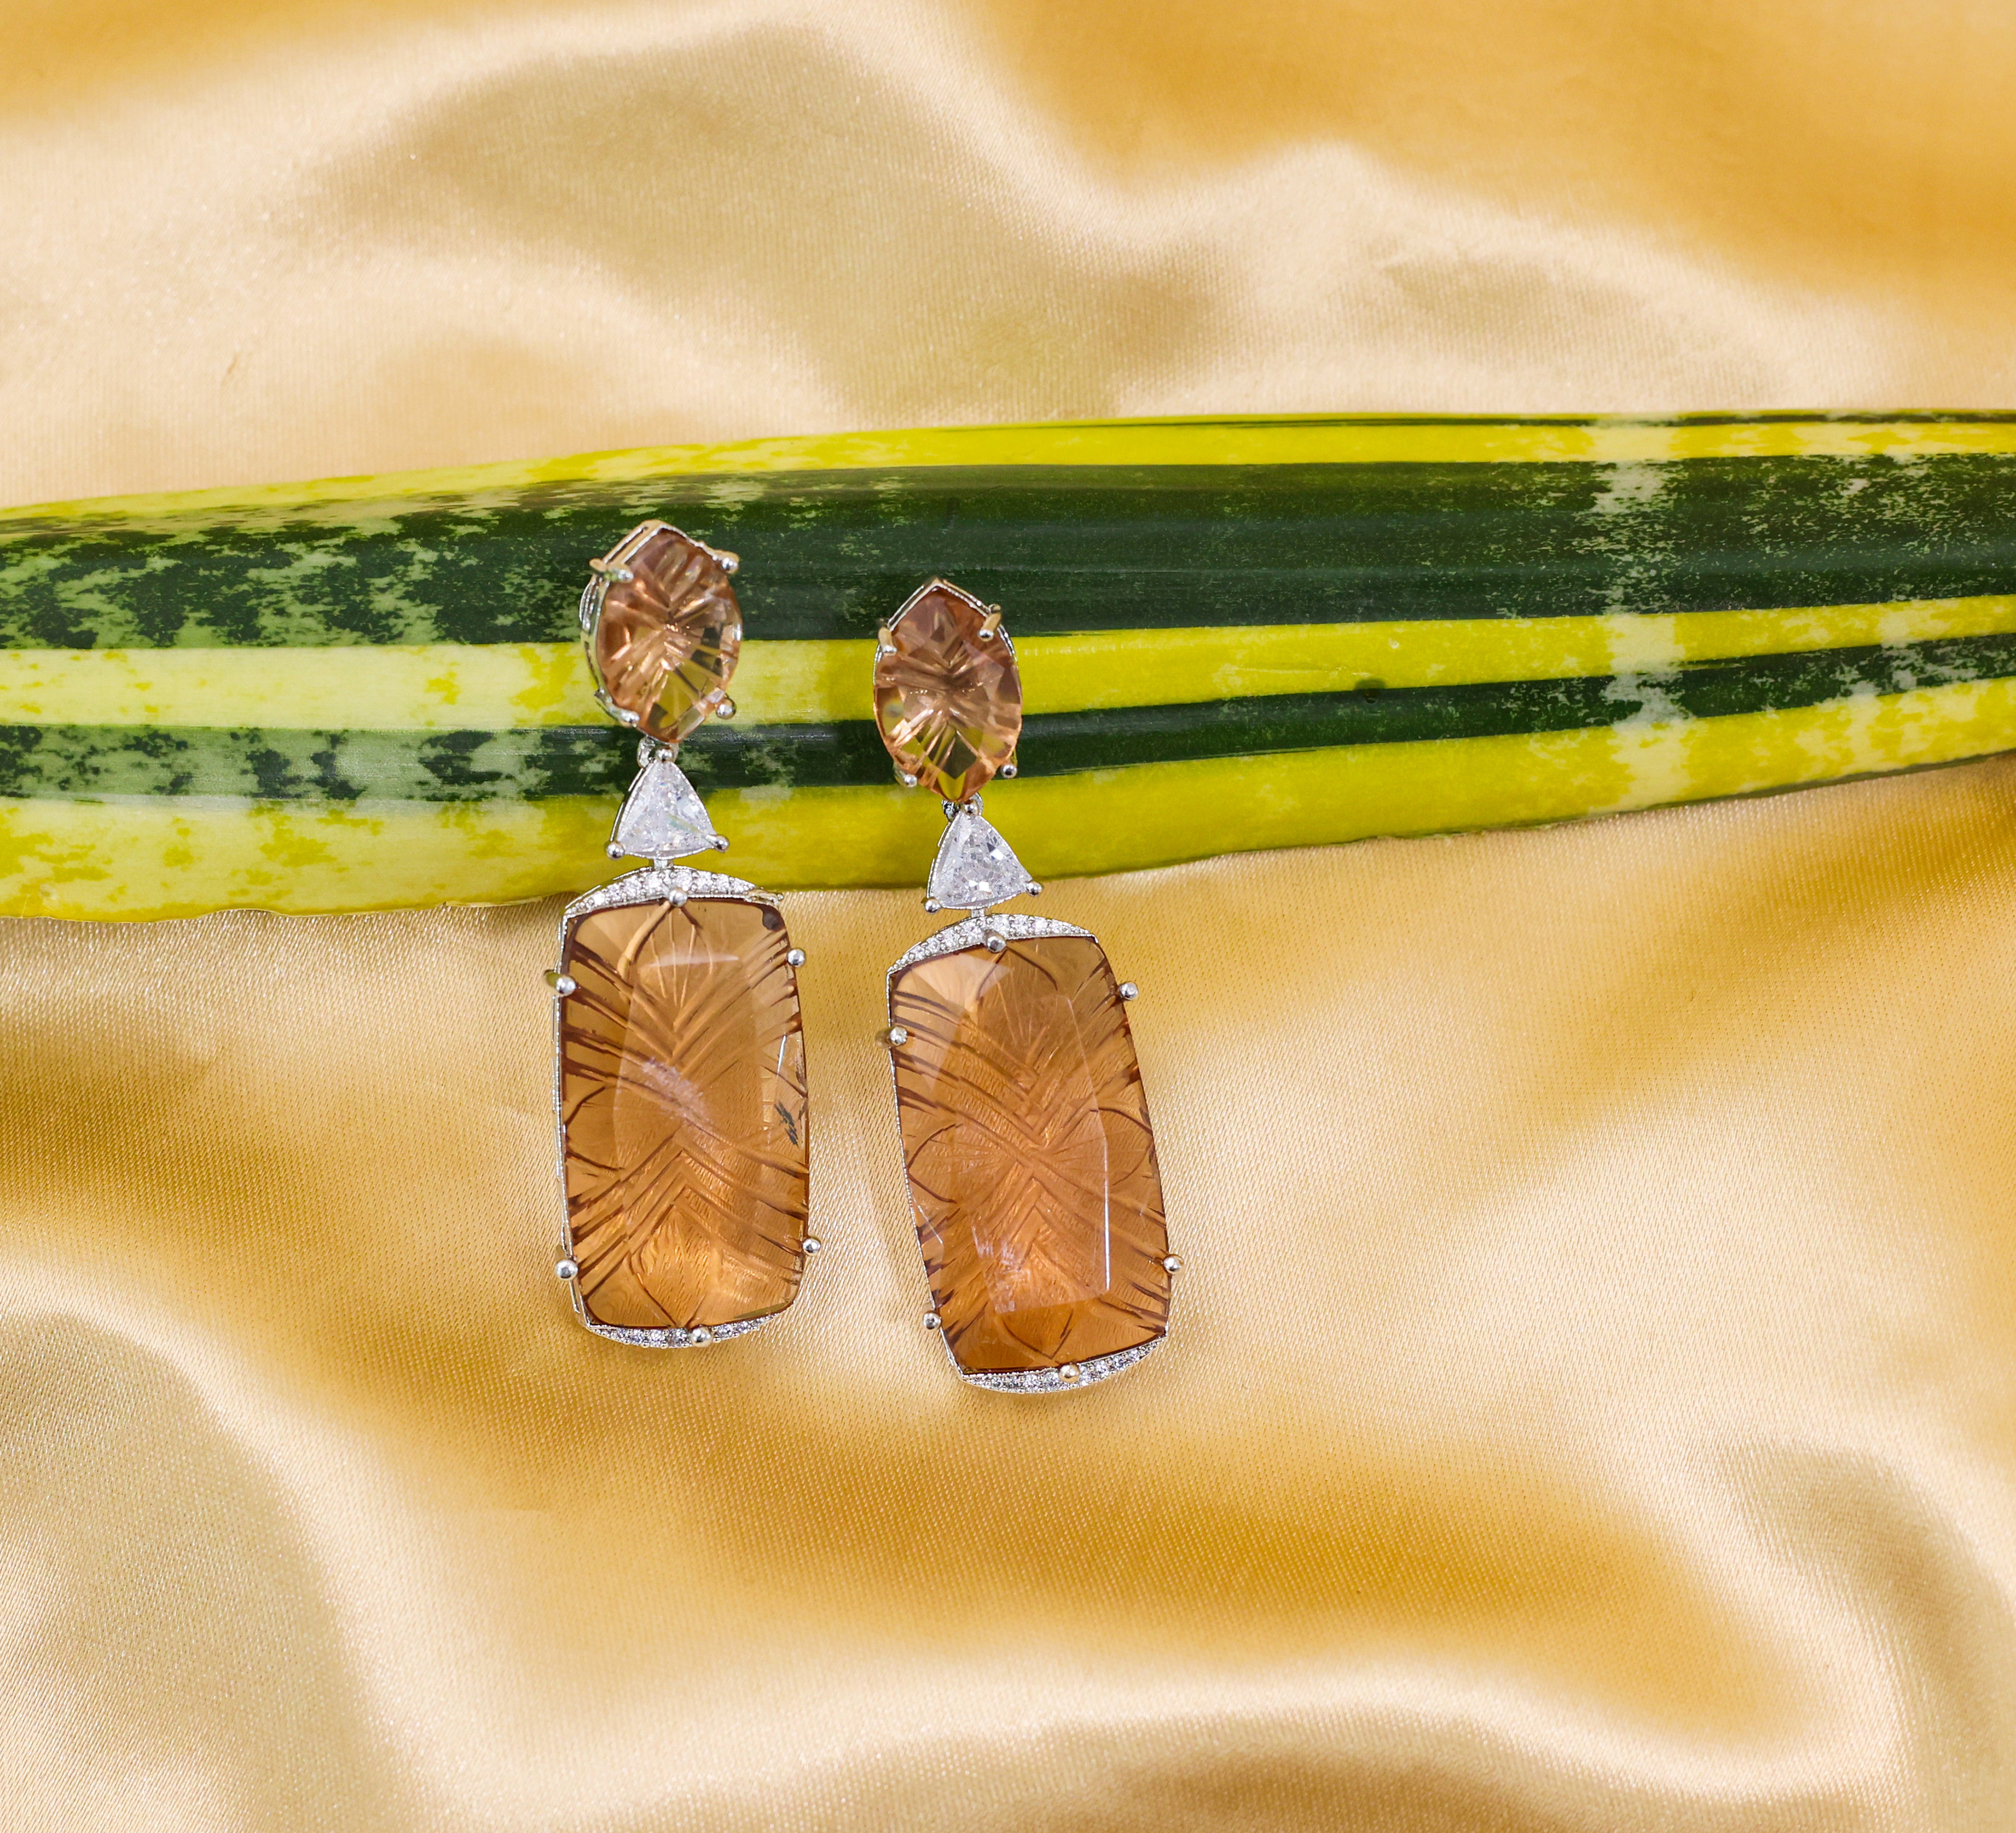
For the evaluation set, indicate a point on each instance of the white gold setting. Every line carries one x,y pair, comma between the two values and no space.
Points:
974,870
662,818
1054,1381
972,932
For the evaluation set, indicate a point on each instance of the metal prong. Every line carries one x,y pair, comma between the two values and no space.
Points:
794,957
896,1037
613,850
991,627
724,708
1173,1264
885,638
1068,1372
562,983
721,843
1129,990
616,575
566,1269
701,1334
933,1321
996,942
626,716
730,562
812,1243
904,778
932,906
1009,772
1035,890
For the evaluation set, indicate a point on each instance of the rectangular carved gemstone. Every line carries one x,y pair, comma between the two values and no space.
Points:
1032,1164
682,1092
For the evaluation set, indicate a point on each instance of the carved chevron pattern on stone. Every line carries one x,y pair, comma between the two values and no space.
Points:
682,1092
1032,1162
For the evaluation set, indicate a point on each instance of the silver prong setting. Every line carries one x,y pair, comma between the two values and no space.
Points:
794,957
1129,990
567,1269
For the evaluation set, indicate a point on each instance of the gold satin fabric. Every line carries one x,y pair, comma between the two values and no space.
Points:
1590,1407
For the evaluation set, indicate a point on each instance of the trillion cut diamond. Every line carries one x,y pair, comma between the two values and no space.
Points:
663,816
975,867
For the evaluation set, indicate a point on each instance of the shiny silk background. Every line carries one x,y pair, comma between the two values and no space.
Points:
1591,1405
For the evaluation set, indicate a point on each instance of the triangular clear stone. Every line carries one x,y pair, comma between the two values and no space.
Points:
663,816
975,867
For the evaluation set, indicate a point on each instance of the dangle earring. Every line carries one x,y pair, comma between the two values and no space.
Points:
679,1080
1031,1164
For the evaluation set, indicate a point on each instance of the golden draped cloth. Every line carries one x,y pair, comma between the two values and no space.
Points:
1592,1404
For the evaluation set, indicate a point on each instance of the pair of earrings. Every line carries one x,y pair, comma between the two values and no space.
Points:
679,1080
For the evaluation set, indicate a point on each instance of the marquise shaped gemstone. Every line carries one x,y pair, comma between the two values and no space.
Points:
682,1095
947,696
1032,1164
665,640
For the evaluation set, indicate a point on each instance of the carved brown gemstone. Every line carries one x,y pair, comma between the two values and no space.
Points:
1032,1164
948,698
667,638
683,1092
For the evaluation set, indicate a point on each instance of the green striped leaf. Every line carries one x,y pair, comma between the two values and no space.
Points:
368,693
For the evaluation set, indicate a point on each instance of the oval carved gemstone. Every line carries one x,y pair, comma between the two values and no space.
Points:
948,699
682,1094
667,639
1032,1163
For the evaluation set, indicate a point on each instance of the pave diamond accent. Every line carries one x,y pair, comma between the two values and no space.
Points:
663,816
975,867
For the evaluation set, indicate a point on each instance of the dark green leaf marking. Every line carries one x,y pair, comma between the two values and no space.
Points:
1064,548
534,763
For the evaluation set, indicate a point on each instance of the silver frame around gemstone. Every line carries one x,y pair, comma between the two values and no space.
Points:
654,884
972,932
597,589
990,615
